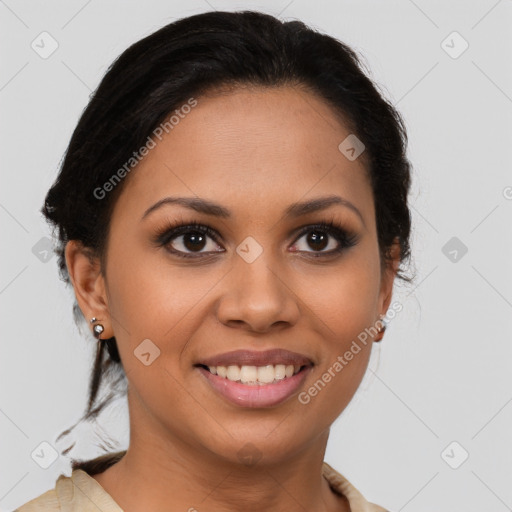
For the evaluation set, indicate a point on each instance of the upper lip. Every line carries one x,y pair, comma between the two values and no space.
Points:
257,358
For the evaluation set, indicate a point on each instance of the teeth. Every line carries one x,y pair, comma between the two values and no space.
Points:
255,374
248,374
266,374
233,373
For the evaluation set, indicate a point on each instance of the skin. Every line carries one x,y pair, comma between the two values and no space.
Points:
254,151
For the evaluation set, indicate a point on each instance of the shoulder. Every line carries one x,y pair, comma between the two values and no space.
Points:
48,501
341,485
78,492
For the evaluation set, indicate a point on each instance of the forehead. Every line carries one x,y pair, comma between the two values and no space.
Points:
250,146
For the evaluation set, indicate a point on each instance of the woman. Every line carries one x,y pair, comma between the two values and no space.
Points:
232,214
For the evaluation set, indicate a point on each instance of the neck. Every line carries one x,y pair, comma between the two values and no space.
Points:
162,473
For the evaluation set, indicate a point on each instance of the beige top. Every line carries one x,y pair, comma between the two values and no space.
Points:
82,493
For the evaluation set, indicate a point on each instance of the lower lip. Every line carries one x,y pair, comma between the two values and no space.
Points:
266,395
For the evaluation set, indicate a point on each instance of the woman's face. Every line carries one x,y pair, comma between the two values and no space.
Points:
260,280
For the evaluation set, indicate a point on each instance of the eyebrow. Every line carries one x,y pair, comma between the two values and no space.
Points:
293,211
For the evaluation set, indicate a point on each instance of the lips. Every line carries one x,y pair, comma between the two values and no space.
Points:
257,358
249,378
255,396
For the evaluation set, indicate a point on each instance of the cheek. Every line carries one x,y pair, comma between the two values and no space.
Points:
151,298
344,297
344,304
334,386
344,308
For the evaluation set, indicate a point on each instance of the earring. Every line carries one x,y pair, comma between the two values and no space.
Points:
382,329
97,329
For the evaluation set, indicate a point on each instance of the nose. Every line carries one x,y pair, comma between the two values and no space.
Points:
257,297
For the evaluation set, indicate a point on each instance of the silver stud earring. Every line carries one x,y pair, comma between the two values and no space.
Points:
97,329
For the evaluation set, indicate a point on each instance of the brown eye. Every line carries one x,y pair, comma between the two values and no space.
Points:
318,241
189,241
324,236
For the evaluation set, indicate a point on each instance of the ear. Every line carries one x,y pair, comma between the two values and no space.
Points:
388,277
89,284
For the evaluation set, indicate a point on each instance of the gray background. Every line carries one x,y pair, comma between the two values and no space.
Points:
443,370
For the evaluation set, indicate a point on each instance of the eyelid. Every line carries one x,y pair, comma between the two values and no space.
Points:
174,229
170,230
345,236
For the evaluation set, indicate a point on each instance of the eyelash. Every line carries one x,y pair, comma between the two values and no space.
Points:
165,235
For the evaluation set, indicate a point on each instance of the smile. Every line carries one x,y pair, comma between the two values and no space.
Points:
255,386
262,375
